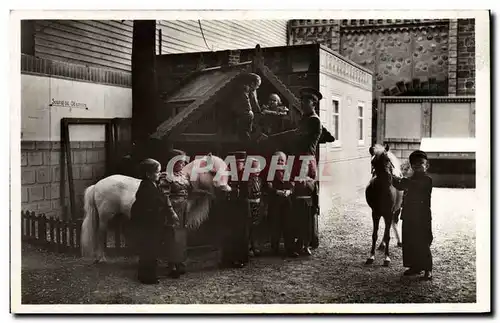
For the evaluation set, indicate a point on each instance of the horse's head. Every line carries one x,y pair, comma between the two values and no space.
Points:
383,162
202,173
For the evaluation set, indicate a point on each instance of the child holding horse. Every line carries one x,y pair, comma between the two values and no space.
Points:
149,212
416,217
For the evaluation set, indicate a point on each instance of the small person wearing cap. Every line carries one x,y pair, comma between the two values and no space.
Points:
245,103
417,217
175,185
280,210
150,211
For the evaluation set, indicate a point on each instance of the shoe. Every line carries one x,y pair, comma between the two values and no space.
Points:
412,272
307,251
427,276
149,281
174,274
237,264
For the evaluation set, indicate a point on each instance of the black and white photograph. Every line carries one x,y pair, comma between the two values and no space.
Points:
251,162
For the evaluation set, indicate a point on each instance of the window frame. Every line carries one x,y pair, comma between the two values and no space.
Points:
361,107
338,136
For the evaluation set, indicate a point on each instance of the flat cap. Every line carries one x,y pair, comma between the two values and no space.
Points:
309,91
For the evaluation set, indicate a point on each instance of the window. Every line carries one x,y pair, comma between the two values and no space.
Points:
361,132
335,126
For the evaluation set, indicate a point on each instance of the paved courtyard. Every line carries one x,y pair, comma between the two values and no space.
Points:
334,274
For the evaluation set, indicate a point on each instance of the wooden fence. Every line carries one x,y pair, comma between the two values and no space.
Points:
64,236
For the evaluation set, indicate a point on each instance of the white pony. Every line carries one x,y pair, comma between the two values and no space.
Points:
115,195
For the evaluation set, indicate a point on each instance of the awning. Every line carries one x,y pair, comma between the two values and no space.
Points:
449,148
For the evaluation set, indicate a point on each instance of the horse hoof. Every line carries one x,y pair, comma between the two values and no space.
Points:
369,261
386,263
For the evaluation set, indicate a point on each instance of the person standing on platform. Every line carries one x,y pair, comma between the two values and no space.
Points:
245,104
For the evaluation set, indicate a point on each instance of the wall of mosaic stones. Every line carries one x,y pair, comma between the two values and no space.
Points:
400,54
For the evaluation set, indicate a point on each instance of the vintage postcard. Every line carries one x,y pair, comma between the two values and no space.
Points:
250,162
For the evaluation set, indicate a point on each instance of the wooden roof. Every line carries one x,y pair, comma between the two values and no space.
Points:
204,89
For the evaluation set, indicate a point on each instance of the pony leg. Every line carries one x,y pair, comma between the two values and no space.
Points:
387,237
396,233
376,221
101,243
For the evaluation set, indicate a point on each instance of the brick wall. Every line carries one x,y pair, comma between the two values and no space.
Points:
466,65
403,148
40,175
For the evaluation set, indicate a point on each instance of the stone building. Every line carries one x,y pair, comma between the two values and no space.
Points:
419,56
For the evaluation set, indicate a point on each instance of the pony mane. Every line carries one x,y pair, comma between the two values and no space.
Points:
378,149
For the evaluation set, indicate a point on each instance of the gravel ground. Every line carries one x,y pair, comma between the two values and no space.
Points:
334,274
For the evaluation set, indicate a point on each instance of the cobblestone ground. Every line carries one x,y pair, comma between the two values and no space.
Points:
334,274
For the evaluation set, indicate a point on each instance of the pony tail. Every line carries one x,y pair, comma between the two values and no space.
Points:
89,225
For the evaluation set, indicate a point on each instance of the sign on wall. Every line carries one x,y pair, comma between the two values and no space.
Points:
45,100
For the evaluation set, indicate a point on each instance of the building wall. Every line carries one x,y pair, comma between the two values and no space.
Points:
435,51
50,91
466,51
108,43
347,160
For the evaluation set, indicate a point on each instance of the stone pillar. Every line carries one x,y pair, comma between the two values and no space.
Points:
466,66
452,63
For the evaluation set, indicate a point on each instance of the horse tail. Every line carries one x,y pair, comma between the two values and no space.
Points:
90,222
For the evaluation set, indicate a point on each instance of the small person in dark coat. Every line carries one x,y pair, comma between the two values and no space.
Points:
416,217
150,212
281,217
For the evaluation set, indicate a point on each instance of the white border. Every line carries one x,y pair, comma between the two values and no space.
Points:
483,154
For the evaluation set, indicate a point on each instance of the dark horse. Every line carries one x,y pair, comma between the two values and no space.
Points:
384,200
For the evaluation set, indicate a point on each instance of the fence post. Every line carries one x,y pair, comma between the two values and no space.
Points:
32,227
64,235
42,228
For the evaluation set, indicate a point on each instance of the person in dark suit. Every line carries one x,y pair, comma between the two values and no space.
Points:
236,219
280,212
150,212
417,217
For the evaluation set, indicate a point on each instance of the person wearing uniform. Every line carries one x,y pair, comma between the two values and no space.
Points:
302,201
245,104
175,185
307,138
150,211
254,205
417,217
236,219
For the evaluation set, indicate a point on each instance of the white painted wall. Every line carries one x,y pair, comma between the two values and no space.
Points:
40,119
347,160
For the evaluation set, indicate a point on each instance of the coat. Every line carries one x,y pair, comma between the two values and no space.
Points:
417,220
148,216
